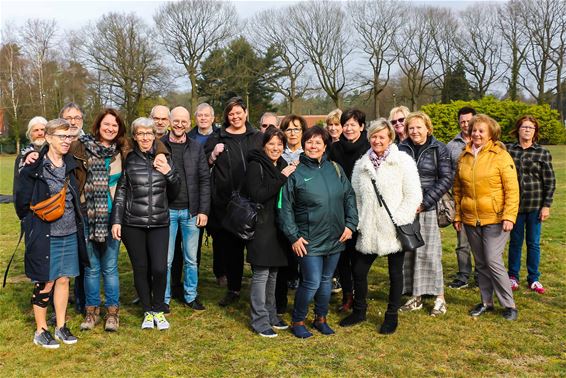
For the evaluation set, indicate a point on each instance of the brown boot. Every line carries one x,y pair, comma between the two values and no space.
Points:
347,302
92,318
112,319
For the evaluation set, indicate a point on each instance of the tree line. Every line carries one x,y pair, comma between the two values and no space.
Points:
307,57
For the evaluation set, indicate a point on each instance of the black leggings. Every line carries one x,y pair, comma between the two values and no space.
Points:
345,265
147,248
231,249
361,264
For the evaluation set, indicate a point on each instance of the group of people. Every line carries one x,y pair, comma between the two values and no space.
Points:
329,200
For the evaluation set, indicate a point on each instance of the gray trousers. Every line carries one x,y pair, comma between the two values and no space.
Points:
464,257
488,243
262,298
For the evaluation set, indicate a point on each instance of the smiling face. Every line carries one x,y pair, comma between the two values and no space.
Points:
160,117
204,119
352,130
274,148
75,119
145,137
334,129
417,131
108,129
481,134
180,121
60,141
379,141
237,118
315,147
398,122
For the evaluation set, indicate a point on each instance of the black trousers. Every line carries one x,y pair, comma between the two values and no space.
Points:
229,250
147,249
361,264
345,266
285,274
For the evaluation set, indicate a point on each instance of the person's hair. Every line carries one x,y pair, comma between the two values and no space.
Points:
494,128
152,113
418,115
356,114
316,131
515,131
268,114
290,119
273,132
231,104
121,126
145,123
203,106
333,116
56,124
32,122
70,105
466,110
381,124
399,109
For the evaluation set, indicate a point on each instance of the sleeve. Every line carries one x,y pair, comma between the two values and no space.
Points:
548,179
411,192
120,199
510,184
259,187
204,182
457,192
173,182
444,178
350,209
25,191
211,142
285,211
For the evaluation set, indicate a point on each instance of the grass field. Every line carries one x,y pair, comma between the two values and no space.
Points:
219,342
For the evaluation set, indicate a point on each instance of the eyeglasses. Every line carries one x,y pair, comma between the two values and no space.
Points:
156,119
395,121
266,125
145,135
76,119
527,128
178,121
63,137
293,131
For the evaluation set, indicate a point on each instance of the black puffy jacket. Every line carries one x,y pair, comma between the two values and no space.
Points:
435,169
143,194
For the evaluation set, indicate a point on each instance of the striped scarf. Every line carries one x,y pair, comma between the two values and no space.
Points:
96,187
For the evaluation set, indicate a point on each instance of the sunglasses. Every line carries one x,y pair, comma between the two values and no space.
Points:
395,121
266,125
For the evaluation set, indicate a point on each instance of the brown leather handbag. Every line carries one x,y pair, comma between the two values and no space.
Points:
52,208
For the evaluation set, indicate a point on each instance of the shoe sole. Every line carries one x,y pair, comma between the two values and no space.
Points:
281,328
268,336
46,346
68,342
147,327
459,287
411,309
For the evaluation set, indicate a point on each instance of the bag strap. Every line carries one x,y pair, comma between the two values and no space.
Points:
12,258
382,201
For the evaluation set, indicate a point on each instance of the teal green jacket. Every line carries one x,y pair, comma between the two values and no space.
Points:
316,203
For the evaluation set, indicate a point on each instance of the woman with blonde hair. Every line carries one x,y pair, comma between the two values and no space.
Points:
397,117
333,125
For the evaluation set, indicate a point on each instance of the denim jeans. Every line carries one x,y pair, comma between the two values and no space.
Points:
528,224
182,219
317,272
103,260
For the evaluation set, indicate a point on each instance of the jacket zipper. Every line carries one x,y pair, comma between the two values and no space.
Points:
150,186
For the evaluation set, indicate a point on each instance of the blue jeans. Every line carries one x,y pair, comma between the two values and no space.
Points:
190,233
103,259
530,225
317,272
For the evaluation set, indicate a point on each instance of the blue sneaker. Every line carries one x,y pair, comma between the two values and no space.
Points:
299,330
321,326
45,340
268,333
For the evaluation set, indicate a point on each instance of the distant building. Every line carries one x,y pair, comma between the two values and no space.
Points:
3,131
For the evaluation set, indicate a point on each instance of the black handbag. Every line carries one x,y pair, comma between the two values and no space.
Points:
241,213
409,235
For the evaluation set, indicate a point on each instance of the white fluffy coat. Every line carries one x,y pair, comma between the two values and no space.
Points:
398,182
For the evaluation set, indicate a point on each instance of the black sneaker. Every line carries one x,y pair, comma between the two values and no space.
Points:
510,313
480,309
166,308
65,335
195,305
230,298
293,284
281,325
45,340
458,284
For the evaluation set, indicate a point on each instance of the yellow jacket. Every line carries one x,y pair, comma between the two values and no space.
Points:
486,189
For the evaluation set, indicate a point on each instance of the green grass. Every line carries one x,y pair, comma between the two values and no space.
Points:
219,342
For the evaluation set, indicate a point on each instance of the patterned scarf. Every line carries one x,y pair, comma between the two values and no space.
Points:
377,160
96,187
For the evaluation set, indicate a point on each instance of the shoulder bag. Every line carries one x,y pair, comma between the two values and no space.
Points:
445,207
52,208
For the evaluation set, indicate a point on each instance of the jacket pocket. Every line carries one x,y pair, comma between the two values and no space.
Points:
497,205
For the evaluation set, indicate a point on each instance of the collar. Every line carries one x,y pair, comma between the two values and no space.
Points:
173,139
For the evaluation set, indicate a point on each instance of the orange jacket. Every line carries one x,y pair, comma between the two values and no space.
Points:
486,189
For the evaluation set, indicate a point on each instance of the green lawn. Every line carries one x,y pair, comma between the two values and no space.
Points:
219,342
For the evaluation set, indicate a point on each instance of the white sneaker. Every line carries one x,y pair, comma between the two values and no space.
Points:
413,304
160,321
148,322
439,307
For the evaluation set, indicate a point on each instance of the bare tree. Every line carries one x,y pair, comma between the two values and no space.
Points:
189,29
318,28
443,27
270,32
376,23
480,48
416,56
118,50
558,56
37,41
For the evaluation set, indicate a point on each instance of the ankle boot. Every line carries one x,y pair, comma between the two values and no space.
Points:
347,302
322,326
92,318
355,317
389,323
112,319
